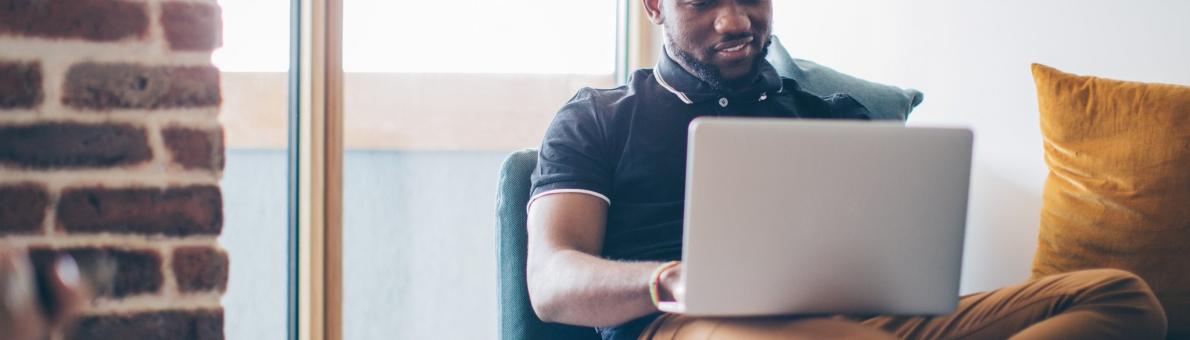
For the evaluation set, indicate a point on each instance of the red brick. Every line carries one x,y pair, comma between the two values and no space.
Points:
167,325
184,211
137,271
94,20
200,269
192,26
195,149
20,84
22,209
73,145
102,87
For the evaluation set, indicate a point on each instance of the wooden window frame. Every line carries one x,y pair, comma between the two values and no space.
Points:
316,162
638,39
316,154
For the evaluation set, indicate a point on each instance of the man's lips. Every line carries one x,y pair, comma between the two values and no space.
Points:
734,49
733,44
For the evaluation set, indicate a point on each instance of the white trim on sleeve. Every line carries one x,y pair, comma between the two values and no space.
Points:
566,191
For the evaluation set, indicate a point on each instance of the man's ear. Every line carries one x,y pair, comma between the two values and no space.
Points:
653,9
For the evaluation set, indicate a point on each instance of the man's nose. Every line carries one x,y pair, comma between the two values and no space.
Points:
732,20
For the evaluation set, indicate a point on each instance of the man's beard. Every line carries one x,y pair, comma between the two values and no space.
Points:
711,74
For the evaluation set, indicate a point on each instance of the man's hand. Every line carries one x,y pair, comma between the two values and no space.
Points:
673,288
22,315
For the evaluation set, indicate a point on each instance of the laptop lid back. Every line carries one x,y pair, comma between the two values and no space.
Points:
788,216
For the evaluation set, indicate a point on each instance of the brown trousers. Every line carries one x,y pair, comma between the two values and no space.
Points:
1091,304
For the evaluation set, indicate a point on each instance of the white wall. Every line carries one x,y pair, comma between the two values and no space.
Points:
971,58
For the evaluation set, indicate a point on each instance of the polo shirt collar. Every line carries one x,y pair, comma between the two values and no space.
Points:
691,90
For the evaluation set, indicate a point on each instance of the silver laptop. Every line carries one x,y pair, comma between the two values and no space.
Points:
791,216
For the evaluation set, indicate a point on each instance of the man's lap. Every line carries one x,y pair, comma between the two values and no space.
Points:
1119,304
671,326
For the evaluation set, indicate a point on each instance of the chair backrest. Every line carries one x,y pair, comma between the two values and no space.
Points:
884,102
517,319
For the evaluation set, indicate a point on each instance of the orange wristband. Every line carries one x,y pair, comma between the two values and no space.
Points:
655,281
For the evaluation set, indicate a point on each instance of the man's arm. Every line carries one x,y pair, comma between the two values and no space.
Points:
568,282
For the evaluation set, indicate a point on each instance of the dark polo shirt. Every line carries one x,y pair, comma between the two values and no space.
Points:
627,145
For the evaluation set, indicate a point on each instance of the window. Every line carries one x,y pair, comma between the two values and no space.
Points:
468,75
254,61
437,94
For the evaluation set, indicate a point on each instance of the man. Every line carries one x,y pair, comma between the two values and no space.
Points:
606,211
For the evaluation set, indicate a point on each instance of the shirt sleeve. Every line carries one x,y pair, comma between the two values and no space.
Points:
573,156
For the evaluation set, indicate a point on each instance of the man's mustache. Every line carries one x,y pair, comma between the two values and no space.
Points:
737,36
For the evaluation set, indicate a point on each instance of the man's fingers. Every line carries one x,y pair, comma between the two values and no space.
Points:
20,316
675,286
68,290
680,291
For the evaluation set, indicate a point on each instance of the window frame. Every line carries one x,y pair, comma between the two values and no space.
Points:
638,41
315,154
315,176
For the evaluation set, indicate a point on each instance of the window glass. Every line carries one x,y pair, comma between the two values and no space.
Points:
254,60
436,97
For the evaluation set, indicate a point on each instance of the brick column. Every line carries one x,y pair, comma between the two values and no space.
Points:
110,143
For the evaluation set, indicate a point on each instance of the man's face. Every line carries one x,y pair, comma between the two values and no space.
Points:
723,39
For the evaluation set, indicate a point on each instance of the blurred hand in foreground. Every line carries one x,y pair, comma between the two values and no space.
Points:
36,301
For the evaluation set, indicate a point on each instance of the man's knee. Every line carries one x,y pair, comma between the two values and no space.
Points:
1111,281
1123,291
1109,278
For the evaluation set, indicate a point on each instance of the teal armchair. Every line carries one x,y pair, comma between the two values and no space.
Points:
517,319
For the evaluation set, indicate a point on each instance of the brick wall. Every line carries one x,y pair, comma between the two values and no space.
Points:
109,143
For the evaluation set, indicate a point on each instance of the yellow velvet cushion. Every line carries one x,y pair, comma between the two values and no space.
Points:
1118,192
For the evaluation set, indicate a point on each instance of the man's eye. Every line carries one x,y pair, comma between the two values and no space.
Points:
700,4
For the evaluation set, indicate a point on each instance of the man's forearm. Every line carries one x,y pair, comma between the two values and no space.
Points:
576,288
